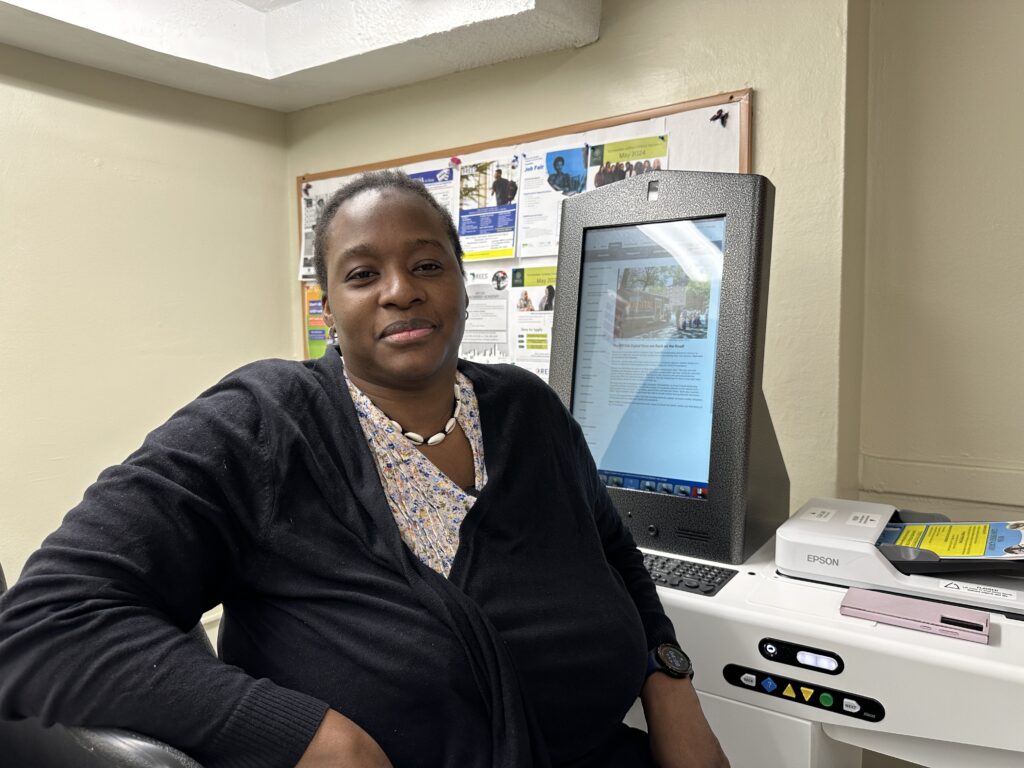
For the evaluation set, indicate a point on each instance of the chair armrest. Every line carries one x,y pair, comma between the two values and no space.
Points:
26,743
125,749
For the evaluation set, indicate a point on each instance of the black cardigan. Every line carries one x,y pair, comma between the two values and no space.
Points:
262,495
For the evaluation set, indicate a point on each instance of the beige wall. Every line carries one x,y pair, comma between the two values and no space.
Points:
140,260
791,51
943,421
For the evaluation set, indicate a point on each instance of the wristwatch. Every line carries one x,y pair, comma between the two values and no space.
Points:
671,660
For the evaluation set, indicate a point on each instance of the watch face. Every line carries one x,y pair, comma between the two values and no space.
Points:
675,659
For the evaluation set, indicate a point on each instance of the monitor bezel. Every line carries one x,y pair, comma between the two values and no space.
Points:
658,520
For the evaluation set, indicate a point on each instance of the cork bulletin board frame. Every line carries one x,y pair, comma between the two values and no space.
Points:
709,134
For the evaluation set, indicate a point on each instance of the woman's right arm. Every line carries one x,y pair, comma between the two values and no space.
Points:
94,632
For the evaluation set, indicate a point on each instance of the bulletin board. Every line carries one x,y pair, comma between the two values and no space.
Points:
505,197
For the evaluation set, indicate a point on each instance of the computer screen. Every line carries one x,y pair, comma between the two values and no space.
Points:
657,350
645,352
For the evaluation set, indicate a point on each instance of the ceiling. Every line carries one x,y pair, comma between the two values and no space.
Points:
291,54
267,5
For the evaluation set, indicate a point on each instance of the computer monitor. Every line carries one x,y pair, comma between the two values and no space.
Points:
657,349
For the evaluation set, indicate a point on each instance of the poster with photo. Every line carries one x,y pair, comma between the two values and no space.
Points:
532,302
617,160
486,337
488,202
552,171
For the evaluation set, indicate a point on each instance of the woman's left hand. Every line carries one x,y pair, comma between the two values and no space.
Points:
679,732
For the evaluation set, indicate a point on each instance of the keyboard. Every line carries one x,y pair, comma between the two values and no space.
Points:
676,573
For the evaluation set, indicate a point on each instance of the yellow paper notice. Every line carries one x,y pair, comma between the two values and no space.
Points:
956,540
910,536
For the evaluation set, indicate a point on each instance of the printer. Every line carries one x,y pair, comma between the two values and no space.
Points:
789,679
835,541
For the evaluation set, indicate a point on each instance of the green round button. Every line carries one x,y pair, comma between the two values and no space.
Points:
826,700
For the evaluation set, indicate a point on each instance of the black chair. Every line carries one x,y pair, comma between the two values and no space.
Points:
27,744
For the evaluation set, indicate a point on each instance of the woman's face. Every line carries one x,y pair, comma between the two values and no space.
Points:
395,291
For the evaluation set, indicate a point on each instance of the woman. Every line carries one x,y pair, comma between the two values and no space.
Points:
408,576
547,301
525,303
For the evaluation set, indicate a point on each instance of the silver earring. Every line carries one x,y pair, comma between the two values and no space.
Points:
467,315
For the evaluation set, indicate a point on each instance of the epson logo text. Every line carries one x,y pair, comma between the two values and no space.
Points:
821,560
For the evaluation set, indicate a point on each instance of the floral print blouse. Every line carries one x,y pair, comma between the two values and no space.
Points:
428,506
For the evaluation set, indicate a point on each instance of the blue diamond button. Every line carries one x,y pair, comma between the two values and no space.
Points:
768,684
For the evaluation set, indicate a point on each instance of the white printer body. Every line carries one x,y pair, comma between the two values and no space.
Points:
833,541
935,701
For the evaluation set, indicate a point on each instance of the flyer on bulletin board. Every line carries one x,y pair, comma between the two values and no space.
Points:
317,333
441,178
488,203
533,304
486,337
618,160
990,540
315,195
552,171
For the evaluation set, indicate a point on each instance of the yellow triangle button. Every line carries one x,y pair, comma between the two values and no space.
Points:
807,692
789,691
